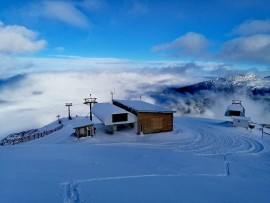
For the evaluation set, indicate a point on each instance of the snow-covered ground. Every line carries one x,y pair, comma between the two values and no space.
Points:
202,160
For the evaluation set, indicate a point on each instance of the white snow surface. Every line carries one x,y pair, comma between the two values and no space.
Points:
202,160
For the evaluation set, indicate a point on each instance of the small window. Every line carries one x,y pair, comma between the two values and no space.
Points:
234,113
121,117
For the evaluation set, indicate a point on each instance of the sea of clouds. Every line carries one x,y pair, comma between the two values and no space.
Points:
37,97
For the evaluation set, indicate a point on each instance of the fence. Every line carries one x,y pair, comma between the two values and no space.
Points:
266,130
24,138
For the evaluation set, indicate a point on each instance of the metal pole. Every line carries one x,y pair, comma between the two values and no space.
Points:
68,105
90,101
112,93
90,111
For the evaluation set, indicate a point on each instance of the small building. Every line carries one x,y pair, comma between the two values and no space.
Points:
150,118
235,109
111,115
84,128
240,121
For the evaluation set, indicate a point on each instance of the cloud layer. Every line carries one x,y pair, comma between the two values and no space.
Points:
252,27
18,39
64,11
254,48
35,99
68,12
190,44
252,44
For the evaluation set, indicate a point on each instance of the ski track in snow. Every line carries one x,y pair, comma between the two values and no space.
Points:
208,142
72,195
204,141
71,192
71,189
196,137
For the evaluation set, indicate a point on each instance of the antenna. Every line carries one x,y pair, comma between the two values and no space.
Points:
89,101
69,105
112,93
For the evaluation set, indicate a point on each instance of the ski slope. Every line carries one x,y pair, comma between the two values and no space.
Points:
202,160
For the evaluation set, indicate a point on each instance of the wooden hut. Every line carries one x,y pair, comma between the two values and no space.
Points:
150,118
84,128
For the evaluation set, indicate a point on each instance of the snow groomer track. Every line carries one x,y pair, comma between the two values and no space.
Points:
209,137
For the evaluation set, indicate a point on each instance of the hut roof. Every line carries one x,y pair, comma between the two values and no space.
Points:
81,122
104,112
141,106
235,107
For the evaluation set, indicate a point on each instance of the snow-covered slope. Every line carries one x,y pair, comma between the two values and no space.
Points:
202,160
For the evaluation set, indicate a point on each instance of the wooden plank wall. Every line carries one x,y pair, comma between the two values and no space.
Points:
154,122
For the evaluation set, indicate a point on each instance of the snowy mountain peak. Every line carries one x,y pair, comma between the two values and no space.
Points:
244,77
202,98
230,84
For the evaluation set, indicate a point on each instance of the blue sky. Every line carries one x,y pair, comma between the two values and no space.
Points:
224,31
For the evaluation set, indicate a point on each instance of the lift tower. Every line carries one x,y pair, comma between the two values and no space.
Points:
89,101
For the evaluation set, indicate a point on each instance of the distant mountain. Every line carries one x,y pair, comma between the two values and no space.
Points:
197,98
250,82
11,81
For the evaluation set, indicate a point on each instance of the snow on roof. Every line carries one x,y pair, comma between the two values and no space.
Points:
141,106
80,122
104,112
235,107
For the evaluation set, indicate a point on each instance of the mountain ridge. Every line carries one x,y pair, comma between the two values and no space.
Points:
198,98
234,82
